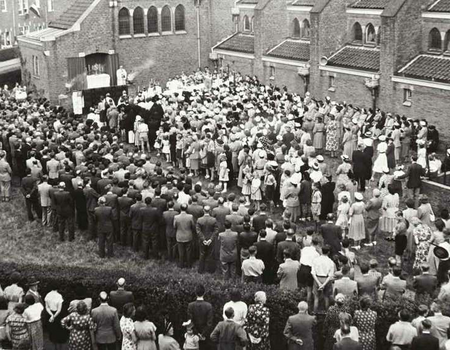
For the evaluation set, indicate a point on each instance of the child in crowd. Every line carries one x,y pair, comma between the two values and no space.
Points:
191,340
166,147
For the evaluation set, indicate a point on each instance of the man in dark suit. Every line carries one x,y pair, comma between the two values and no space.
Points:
414,175
360,164
91,196
65,211
265,252
201,314
111,201
367,283
228,334
107,331
135,222
168,216
332,235
425,283
125,203
184,226
220,213
195,209
394,286
235,219
150,222
120,297
207,231
425,340
346,343
30,191
290,245
259,221
298,329
104,221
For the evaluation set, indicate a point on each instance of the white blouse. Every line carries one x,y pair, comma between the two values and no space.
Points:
33,312
53,300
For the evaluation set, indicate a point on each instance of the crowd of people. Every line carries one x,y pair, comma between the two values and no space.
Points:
201,169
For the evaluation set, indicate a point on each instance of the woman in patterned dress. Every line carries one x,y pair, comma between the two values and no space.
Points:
422,239
319,135
257,325
17,329
127,327
81,327
332,143
332,321
365,320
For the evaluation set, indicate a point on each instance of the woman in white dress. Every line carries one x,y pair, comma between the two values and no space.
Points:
240,308
357,230
422,154
390,208
381,162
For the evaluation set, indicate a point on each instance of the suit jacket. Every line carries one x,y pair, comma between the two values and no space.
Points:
196,210
259,222
91,198
367,284
118,298
135,215
160,204
425,284
104,219
439,329
247,239
101,185
168,222
220,213
394,287
236,221
207,228
44,193
373,208
347,344
125,204
201,314
287,273
29,187
229,335
184,227
111,201
359,160
415,171
265,252
346,286
292,246
332,235
425,341
300,327
108,327
63,203
150,219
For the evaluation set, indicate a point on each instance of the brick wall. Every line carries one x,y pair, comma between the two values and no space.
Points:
40,82
245,66
328,34
285,75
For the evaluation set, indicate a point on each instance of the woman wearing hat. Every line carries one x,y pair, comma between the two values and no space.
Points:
381,162
332,143
319,135
385,181
343,171
357,230
389,209
166,340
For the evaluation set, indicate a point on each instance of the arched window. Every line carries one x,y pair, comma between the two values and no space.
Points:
447,41
179,18
246,23
295,28
138,20
357,32
166,19
371,36
306,30
124,21
152,20
435,41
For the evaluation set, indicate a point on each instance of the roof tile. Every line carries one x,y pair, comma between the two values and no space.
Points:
357,57
440,6
73,13
291,50
427,67
240,43
371,4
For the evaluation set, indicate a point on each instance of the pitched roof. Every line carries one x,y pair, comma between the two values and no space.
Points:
371,4
291,50
250,2
238,42
440,6
72,14
302,3
9,54
428,67
356,57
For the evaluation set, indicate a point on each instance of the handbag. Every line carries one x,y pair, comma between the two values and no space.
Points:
131,136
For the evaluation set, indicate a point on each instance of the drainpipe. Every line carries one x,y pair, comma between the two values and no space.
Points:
198,34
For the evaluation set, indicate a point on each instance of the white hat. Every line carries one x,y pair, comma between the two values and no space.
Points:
382,138
359,196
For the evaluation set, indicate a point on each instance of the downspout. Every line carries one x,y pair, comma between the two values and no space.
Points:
13,34
198,34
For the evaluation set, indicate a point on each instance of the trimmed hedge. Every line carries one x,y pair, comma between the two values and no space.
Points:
168,295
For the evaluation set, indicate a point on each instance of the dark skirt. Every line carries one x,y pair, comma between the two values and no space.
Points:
270,192
304,277
210,160
400,244
56,333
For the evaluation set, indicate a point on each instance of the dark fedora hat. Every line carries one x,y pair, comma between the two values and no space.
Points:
33,281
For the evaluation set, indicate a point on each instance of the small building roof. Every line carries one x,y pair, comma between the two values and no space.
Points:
301,2
440,6
428,67
9,54
371,4
249,2
46,34
297,50
71,15
238,42
356,57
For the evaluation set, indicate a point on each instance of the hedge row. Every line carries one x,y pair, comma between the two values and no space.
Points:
168,295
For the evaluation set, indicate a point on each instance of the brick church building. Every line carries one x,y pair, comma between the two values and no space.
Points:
392,54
